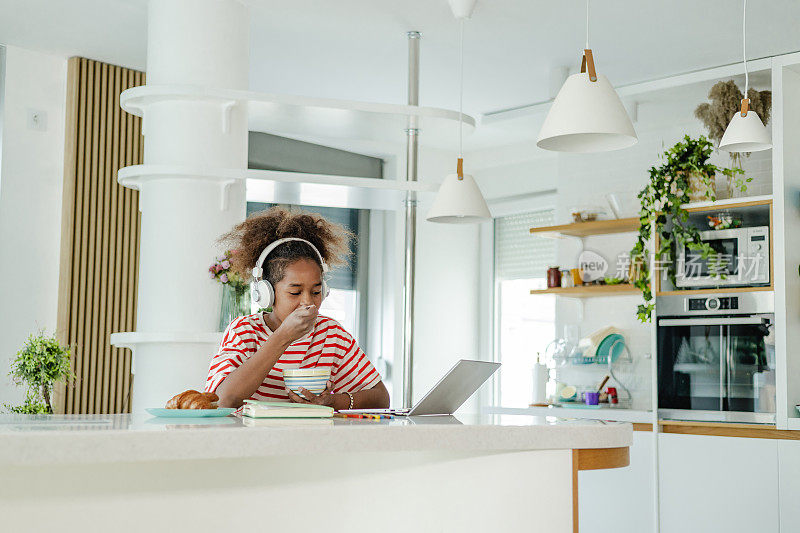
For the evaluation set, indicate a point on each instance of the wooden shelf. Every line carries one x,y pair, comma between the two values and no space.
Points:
730,203
585,229
589,291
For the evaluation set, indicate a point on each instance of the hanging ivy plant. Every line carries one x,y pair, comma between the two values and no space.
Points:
662,203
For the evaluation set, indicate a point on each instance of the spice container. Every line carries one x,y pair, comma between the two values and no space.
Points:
553,277
612,395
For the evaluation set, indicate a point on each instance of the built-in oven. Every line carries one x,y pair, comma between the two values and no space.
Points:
741,259
716,357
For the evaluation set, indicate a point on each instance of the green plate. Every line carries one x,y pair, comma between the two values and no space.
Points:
605,346
189,413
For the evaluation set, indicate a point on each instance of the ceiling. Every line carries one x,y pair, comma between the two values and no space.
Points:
356,49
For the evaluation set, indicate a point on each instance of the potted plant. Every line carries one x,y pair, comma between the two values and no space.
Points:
726,101
235,296
39,365
662,212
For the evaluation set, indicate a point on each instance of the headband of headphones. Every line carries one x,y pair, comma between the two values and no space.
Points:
257,270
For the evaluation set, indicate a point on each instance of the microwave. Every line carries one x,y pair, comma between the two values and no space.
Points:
742,260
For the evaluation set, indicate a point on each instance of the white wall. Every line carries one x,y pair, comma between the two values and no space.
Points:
31,179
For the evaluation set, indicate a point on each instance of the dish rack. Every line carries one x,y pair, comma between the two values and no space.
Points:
581,360
615,353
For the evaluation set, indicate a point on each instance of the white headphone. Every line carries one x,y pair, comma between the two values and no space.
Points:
262,292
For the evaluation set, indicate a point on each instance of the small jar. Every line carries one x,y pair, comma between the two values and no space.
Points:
553,277
566,279
577,278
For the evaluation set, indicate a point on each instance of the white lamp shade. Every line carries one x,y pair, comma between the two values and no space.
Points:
745,134
587,116
459,201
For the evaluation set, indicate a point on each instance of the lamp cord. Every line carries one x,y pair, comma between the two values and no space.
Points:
587,25
744,47
461,92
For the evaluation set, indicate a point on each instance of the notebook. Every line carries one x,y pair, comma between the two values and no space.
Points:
285,422
257,409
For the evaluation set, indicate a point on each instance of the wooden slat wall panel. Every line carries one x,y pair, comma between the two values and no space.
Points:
100,237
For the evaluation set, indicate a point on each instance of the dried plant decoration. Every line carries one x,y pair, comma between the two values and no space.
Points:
726,99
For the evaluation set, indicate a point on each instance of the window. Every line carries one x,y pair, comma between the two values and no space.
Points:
348,299
524,324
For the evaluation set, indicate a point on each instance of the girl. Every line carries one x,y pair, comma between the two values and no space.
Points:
257,348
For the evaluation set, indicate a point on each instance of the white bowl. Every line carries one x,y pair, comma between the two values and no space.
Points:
313,380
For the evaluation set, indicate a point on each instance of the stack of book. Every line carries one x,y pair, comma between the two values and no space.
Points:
256,409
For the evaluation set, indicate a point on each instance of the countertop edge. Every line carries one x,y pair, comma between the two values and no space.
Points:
98,447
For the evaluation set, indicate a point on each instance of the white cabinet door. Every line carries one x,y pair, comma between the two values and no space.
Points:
789,464
619,499
718,484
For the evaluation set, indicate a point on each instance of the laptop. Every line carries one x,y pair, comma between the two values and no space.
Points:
448,394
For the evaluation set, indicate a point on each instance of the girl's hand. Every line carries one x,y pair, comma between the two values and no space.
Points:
299,323
323,398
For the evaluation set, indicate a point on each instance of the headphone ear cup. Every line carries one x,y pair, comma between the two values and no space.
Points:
270,291
262,294
325,289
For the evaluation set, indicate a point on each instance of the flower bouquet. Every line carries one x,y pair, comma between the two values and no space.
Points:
235,296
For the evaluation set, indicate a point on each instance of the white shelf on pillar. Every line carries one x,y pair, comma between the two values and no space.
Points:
307,117
129,339
272,186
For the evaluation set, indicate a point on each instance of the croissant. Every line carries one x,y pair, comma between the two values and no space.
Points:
192,399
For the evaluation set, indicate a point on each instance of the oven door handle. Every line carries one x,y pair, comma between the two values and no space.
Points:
721,321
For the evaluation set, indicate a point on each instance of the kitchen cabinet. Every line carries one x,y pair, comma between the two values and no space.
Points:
719,484
789,484
621,499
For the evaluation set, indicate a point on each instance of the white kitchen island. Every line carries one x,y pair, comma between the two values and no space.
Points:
136,473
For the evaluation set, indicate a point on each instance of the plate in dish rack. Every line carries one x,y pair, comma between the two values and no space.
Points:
189,413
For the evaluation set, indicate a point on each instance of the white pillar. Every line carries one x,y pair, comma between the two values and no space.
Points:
203,44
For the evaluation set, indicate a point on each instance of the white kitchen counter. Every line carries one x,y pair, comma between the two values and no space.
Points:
65,439
136,473
616,414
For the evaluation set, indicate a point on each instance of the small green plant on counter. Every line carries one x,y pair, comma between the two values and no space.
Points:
39,365
662,203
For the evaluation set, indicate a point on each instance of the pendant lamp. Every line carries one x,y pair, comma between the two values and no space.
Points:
745,132
587,114
459,200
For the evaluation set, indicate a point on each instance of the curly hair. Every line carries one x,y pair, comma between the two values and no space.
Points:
248,239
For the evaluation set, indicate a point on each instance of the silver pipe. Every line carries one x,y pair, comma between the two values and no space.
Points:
411,220
413,67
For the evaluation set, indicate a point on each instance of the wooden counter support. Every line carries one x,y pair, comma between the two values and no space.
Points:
601,458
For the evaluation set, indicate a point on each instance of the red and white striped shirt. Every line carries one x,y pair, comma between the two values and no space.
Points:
328,345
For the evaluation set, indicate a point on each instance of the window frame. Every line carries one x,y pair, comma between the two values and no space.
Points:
488,298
